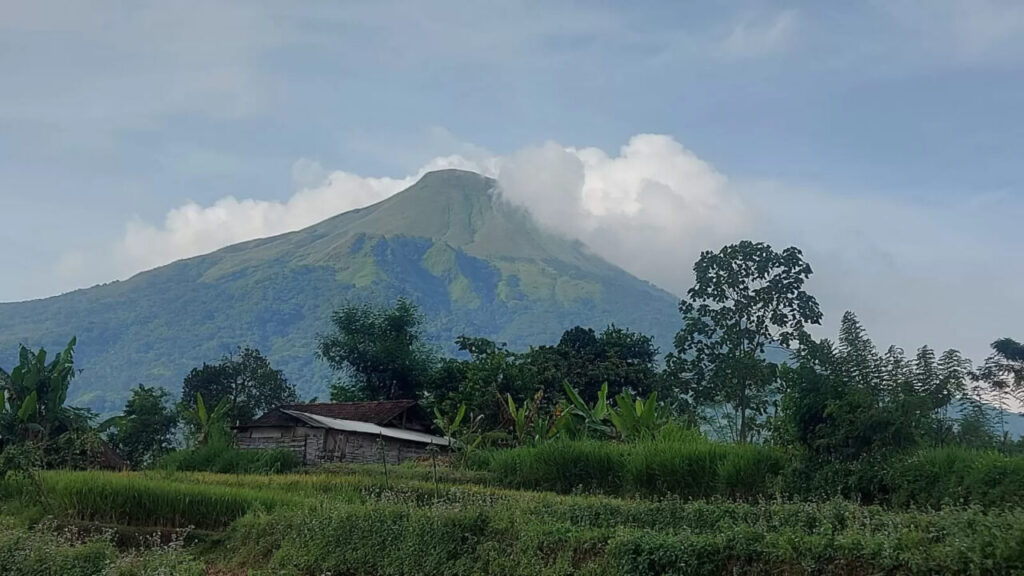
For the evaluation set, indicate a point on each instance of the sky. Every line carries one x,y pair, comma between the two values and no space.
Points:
882,138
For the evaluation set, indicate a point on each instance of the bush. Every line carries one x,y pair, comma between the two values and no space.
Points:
229,460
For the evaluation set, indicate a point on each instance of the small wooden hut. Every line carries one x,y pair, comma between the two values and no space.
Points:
344,432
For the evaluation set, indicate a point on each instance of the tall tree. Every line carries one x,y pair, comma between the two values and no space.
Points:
248,381
857,357
145,431
1002,374
378,352
746,296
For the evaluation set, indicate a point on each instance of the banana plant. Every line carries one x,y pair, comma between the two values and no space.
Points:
463,436
212,425
528,426
32,395
636,419
578,419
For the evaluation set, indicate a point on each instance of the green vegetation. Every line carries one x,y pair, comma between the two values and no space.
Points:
144,432
222,458
335,523
245,383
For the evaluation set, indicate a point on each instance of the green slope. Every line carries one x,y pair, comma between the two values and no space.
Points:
474,264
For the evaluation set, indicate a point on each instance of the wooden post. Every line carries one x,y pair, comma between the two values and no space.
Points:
433,460
384,458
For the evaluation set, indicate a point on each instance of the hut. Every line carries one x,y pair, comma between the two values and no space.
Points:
344,432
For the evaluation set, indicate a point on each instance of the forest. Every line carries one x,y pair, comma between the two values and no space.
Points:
749,447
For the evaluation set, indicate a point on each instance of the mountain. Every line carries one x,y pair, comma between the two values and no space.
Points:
473,263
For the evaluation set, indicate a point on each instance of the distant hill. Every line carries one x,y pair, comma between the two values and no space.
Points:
474,264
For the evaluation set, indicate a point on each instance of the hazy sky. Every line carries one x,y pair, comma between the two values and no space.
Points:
885,139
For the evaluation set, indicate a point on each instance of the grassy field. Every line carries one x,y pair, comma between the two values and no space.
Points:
357,520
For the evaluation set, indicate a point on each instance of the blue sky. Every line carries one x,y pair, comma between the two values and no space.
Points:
884,138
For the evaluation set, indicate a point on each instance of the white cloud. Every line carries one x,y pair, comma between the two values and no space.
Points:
752,38
654,199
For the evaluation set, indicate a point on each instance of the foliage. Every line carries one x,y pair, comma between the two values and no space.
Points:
637,419
246,380
149,500
76,450
379,351
846,404
578,419
1002,375
33,394
20,460
694,468
222,458
46,552
211,427
746,297
956,476
502,533
145,431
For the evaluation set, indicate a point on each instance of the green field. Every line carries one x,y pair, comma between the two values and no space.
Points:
361,520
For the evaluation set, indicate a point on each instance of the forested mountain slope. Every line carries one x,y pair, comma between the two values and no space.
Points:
472,263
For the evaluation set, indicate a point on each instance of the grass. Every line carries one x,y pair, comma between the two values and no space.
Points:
691,469
703,512
228,460
143,499
954,475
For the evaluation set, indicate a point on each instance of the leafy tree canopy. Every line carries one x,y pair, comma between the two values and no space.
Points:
246,379
145,431
746,296
378,352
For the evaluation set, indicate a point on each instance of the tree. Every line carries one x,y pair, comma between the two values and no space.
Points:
246,379
1002,374
481,383
834,407
378,352
145,431
626,361
858,360
746,296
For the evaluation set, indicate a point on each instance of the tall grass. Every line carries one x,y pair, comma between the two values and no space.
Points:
226,459
956,476
688,469
147,500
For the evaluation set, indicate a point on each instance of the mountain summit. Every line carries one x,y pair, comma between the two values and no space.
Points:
474,264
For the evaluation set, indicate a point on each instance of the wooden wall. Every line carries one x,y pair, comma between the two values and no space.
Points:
320,446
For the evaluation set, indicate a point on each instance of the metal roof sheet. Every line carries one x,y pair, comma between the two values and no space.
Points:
317,421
